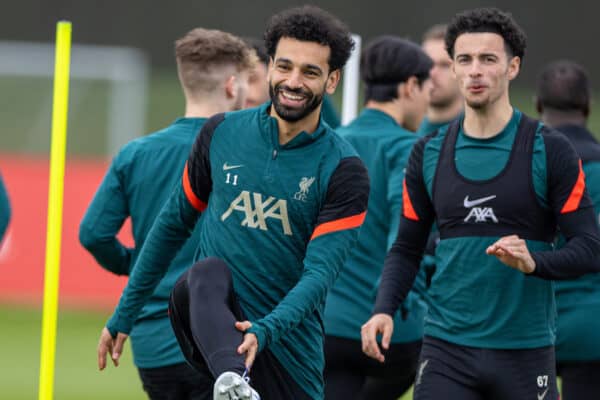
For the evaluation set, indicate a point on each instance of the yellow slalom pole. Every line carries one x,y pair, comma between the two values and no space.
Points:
55,207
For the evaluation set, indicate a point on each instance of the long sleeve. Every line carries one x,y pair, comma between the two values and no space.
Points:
336,231
574,212
170,230
5,212
402,262
102,222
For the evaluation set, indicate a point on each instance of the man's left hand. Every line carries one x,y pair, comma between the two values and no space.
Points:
513,251
249,345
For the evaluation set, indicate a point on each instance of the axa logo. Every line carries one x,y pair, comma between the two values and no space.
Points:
257,210
479,214
304,188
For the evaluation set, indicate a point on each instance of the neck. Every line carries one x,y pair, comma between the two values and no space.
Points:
445,114
488,121
556,118
289,130
201,109
390,108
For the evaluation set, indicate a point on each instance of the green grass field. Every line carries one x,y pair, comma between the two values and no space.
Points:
76,373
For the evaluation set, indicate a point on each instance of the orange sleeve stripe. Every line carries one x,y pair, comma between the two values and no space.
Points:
576,194
189,193
339,225
407,206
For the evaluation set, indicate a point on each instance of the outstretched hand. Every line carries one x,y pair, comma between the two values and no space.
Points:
249,345
512,251
378,324
114,346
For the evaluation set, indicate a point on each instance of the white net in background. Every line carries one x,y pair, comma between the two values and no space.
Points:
107,99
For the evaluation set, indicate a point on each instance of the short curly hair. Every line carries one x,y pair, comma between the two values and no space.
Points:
483,20
564,85
311,24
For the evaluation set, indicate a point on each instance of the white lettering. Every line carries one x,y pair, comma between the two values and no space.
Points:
256,216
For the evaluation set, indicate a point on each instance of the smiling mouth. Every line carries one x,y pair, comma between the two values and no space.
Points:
291,99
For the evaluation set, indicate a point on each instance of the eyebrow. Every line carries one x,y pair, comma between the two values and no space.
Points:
306,66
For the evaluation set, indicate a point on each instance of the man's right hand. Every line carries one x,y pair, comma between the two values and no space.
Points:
109,345
378,324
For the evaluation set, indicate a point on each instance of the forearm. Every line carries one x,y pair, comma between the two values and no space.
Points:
401,266
324,259
108,251
581,253
171,229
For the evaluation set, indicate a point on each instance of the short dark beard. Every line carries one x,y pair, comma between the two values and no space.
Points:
291,114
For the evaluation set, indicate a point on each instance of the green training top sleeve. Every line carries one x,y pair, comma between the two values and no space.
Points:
169,232
574,212
103,220
336,231
5,211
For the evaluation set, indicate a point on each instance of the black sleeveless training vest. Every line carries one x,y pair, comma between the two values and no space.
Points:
503,205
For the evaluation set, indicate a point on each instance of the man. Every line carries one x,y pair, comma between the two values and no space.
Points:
396,77
258,91
258,84
4,210
563,100
282,198
445,102
497,184
213,68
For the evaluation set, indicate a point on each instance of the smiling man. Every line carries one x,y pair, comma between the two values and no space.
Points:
282,198
498,185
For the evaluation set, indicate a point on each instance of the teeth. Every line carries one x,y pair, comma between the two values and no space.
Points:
291,96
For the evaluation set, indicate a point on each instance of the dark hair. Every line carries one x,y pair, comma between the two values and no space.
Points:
564,85
484,20
259,47
311,24
436,32
388,61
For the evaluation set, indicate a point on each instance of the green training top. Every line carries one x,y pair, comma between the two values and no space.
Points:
578,300
384,147
282,217
137,184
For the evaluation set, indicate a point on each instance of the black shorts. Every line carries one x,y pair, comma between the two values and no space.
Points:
451,371
580,380
350,374
175,382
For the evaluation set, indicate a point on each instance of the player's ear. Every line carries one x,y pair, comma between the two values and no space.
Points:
231,87
514,66
332,81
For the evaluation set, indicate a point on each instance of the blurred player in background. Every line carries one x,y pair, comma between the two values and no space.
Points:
563,99
258,84
396,77
445,100
4,210
282,198
213,69
258,92
498,184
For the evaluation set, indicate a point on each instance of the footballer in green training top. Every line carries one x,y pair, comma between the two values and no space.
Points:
498,185
282,198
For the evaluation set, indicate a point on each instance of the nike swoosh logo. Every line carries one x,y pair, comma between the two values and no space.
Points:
472,203
541,396
228,167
